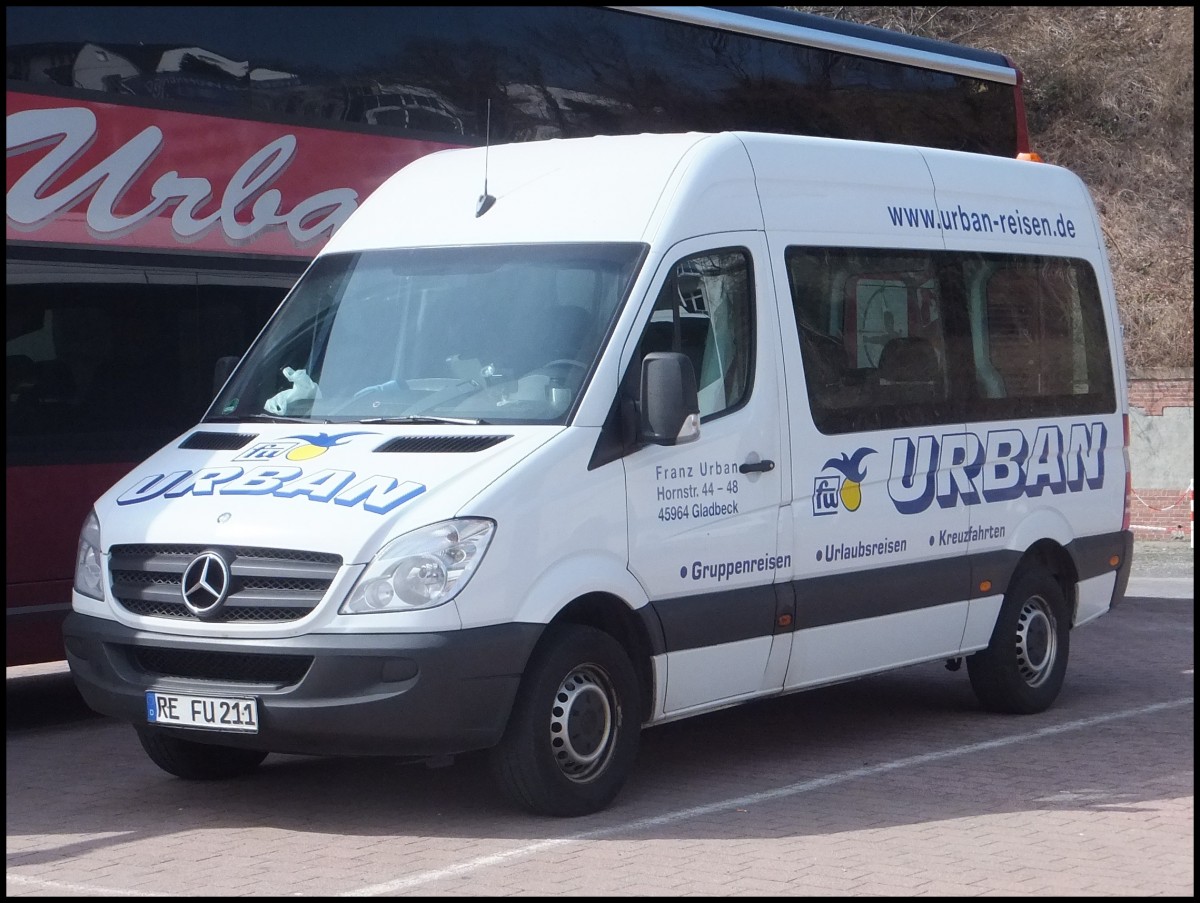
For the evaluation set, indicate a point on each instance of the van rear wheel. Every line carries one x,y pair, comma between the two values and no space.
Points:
197,761
575,727
1022,669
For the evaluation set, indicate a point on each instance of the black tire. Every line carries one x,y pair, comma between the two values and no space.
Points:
575,727
1022,669
197,761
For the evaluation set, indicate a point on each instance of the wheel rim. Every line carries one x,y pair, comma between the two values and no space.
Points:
1037,641
582,728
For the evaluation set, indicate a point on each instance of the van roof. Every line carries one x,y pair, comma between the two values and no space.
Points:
655,188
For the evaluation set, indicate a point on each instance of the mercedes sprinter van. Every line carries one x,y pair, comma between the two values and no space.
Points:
557,441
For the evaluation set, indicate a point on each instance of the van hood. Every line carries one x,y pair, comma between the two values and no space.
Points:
337,488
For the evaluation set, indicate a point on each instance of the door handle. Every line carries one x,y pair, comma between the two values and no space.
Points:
756,467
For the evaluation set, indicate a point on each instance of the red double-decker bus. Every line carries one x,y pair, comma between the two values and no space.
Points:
171,170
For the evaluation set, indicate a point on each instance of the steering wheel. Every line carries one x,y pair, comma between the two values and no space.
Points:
372,396
565,362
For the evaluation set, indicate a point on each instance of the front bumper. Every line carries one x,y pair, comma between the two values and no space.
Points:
420,695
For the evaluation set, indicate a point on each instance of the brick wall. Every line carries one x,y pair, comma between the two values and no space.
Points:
1152,395
1161,514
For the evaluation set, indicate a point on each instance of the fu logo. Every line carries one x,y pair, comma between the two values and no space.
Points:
843,490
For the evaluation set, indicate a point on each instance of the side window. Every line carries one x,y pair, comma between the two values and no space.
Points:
891,339
1038,334
872,337
705,310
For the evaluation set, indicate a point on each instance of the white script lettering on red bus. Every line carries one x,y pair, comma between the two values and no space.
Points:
35,198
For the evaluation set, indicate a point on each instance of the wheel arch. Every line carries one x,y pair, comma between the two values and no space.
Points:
599,592
610,614
1054,558
1045,535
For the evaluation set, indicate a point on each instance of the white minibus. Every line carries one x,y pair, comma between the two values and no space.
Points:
557,441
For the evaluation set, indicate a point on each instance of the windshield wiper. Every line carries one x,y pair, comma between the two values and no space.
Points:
423,418
271,418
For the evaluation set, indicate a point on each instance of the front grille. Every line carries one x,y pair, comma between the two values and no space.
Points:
226,667
268,585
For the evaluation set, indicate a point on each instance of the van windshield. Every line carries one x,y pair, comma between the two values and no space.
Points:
496,334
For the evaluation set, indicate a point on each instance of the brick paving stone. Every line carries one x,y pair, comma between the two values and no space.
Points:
1103,809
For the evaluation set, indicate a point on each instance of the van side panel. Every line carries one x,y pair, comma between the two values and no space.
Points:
916,496
1045,327
872,589
703,516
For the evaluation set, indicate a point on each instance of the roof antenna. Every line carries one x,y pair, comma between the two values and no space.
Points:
486,200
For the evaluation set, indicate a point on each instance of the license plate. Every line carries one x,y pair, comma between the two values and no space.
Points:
214,713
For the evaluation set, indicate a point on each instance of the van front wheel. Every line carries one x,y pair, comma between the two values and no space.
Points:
197,761
1022,669
575,727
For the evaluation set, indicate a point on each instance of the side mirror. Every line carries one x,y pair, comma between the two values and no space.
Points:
221,371
669,407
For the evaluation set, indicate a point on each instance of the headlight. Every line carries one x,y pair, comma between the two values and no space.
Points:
422,569
88,573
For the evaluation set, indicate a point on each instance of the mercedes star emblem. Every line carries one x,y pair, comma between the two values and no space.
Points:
206,583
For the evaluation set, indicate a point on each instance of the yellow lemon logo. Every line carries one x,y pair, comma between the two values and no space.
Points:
851,494
304,452
853,473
